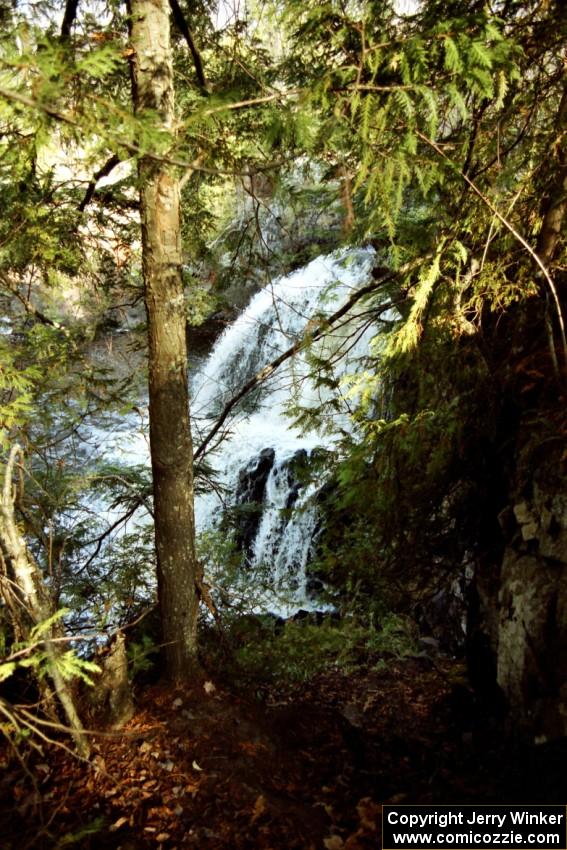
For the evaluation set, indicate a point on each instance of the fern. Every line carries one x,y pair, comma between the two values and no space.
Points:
481,54
452,58
482,82
502,87
404,101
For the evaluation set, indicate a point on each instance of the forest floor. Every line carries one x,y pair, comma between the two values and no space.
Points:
307,767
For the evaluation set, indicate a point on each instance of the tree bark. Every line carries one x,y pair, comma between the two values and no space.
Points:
170,435
556,206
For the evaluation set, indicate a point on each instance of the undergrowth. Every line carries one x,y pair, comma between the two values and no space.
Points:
298,649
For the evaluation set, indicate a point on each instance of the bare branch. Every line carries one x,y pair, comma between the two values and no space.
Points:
104,171
29,307
314,331
253,101
183,27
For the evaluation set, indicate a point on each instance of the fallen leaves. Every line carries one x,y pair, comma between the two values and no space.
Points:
260,808
333,842
252,748
120,822
200,768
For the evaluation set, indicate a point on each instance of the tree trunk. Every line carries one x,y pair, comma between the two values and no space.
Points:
556,205
170,435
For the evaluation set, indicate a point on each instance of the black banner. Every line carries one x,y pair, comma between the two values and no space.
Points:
434,827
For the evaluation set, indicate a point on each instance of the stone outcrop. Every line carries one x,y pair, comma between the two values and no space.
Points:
526,612
532,628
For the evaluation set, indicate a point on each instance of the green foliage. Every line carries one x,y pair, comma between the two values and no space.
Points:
379,78
407,337
379,114
236,588
416,482
400,499
141,655
32,654
200,301
95,827
300,649
16,398
70,666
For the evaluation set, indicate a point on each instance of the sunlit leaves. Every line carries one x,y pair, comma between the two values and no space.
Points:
99,62
404,102
453,61
407,337
16,397
481,54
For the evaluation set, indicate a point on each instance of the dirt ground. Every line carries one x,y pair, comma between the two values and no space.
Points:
308,767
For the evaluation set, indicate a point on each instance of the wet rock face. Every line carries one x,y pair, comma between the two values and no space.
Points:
250,492
542,523
267,530
523,594
252,481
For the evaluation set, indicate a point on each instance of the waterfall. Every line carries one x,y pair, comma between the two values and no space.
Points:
263,464
260,461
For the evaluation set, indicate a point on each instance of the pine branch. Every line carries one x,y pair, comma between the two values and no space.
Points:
135,150
516,234
313,332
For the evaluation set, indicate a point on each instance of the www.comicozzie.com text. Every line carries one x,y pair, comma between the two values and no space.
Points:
520,819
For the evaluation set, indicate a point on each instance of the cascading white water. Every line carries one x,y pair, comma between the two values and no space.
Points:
262,458
275,319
